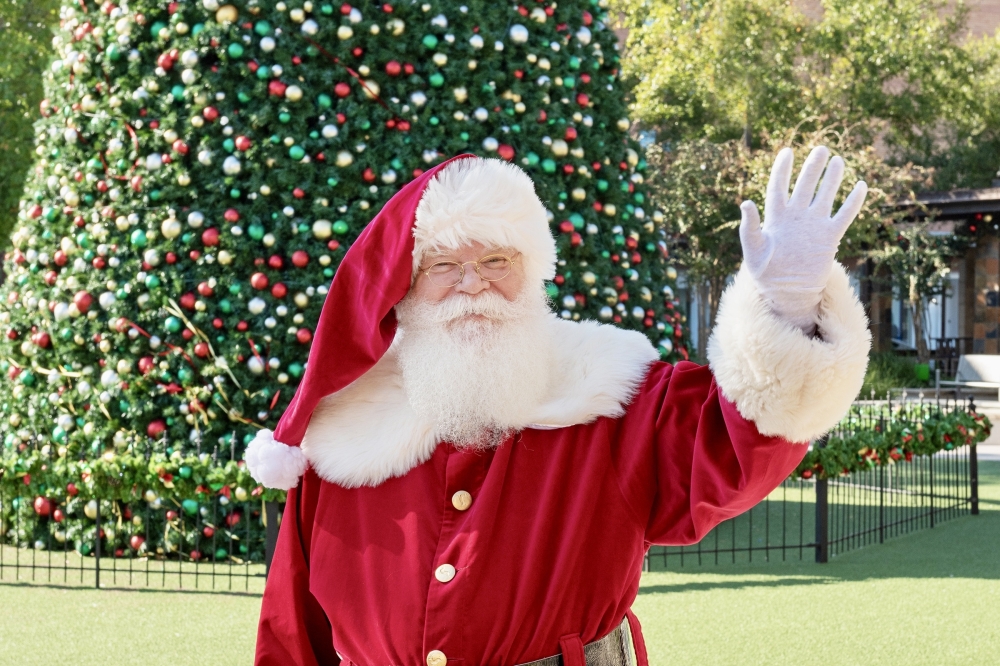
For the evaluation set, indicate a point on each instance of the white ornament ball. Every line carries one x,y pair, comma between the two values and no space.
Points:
196,218
481,114
231,166
518,34
153,162
256,306
476,42
106,300
189,58
330,132
310,27
267,44
418,98
255,365
205,156
490,144
109,378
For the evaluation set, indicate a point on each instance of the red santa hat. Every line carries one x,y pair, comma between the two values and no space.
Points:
464,200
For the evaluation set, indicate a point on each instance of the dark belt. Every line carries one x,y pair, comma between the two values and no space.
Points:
615,649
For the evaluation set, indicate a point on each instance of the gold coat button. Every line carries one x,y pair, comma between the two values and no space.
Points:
436,658
444,573
461,500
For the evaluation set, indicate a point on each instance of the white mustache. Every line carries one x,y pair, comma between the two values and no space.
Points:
487,304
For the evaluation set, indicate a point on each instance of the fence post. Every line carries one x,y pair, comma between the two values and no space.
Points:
973,481
271,521
822,514
97,547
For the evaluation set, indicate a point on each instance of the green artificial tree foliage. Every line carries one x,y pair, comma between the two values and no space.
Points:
25,42
202,168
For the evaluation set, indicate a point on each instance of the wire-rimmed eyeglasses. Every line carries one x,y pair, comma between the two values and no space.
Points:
491,268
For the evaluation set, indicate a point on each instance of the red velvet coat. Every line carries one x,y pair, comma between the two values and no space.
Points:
551,545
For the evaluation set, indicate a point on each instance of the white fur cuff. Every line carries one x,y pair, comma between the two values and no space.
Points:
273,464
788,384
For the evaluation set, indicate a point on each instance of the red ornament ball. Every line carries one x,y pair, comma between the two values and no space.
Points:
136,542
300,258
205,289
243,143
570,134
342,89
231,215
43,506
146,364
201,349
58,515
156,428
298,193
276,88
211,113
303,335
275,262
208,531
83,300
71,489
179,147
393,68
188,301
505,151
210,236
279,290
259,281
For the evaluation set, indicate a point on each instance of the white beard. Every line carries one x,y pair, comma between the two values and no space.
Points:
476,379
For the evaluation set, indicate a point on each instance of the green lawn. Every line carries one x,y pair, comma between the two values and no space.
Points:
931,597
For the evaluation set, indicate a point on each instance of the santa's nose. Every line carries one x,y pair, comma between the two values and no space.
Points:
471,282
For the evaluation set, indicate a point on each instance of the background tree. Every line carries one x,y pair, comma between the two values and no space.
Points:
25,42
918,263
714,69
700,185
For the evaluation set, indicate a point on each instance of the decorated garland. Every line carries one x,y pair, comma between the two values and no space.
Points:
893,440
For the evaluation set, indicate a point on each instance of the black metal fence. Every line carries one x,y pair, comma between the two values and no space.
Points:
220,544
820,518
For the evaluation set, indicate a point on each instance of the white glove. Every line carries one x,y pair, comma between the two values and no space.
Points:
791,256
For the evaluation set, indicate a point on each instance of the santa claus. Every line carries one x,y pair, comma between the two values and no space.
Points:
473,481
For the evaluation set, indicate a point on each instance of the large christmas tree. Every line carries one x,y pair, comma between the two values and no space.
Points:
201,169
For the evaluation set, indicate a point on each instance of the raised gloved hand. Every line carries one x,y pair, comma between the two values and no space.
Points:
791,255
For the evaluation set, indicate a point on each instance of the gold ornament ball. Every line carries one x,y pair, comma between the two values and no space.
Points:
322,229
293,93
171,228
579,194
227,14
241,494
624,124
560,148
610,210
344,159
90,510
589,278
371,89
344,32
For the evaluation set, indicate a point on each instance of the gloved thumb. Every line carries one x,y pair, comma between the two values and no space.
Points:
755,246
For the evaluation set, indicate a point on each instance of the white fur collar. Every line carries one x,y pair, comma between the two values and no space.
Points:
368,432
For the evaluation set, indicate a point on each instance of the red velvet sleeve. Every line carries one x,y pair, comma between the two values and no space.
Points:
293,629
685,458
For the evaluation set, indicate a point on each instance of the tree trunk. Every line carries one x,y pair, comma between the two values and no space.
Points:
917,312
747,132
